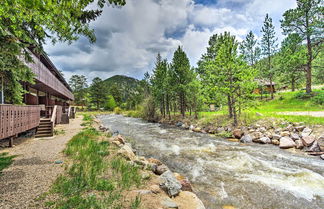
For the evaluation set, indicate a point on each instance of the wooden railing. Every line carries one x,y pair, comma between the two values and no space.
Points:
44,76
16,119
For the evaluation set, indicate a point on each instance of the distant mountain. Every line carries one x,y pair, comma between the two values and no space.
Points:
126,85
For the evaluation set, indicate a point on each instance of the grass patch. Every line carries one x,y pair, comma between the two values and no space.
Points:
95,178
5,161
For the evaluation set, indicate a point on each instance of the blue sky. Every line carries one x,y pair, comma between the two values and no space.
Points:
129,38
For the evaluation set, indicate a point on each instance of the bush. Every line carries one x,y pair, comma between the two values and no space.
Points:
110,104
117,110
303,95
318,98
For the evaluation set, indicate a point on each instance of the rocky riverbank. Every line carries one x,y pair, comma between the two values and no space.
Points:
285,135
164,189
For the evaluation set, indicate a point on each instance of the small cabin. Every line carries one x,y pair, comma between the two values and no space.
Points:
46,103
264,86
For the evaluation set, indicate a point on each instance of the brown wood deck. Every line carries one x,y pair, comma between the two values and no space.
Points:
16,119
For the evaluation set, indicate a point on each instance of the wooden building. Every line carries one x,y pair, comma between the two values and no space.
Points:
264,86
46,103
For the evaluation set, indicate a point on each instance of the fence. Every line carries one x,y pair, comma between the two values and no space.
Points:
16,119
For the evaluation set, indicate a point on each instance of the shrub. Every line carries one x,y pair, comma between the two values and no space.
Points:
117,110
318,98
303,95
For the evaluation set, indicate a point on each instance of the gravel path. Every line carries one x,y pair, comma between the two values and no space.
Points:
33,170
308,113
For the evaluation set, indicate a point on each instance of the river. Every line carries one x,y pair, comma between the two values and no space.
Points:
229,173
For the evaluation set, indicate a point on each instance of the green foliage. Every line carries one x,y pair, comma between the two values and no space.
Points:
86,184
110,104
28,24
117,110
5,161
79,85
318,98
249,49
97,92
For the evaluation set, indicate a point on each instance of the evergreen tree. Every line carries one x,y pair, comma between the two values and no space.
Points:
181,77
97,92
269,46
79,86
307,21
249,49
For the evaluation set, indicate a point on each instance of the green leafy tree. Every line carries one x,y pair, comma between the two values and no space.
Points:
97,92
230,75
292,59
116,93
27,25
307,21
79,85
181,77
269,47
249,49
110,103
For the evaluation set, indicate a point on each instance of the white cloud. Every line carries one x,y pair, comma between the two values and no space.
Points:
129,38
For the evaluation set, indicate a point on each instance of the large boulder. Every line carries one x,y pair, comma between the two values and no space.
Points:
170,184
314,147
321,142
306,132
308,140
299,144
286,142
256,135
295,136
263,140
161,169
246,139
300,128
127,152
189,200
237,133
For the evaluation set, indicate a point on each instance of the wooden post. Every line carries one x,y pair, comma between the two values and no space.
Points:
11,141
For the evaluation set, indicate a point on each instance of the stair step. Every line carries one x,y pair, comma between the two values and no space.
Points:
44,128
44,132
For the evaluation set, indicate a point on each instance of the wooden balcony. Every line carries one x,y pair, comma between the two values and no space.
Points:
47,81
16,119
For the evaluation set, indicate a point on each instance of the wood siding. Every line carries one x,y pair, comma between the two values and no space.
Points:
44,75
17,119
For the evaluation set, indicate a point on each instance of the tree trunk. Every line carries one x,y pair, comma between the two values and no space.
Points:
309,66
229,104
271,87
234,112
293,83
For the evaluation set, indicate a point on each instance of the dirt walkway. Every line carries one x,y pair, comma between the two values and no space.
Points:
308,113
34,170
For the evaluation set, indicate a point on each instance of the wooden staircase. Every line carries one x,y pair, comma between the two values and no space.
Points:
45,128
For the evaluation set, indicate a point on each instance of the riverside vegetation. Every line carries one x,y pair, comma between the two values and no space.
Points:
103,171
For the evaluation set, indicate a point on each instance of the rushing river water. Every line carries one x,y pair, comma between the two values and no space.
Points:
229,173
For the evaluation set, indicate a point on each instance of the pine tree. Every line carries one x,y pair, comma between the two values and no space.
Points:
249,49
269,46
97,92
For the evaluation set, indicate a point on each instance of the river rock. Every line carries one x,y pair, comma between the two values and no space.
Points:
121,139
168,203
186,198
295,136
299,128
179,124
276,136
263,140
161,169
246,139
170,184
286,142
155,189
275,141
321,142
117,143
155,161
237,133
197,129
299,144
308,140
256,135
314,147
127,152
262,129
184,181
285,133
322,157
306,132
191,127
